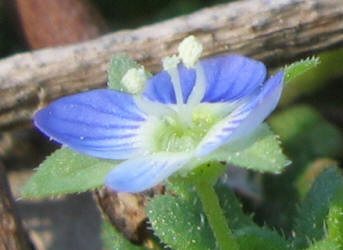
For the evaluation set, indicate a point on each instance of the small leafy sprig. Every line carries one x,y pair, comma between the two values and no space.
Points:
298,68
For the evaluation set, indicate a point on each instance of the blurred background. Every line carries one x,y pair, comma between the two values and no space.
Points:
309,118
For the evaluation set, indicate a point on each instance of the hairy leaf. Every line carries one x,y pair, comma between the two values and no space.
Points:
300,67
119,65
260,151
66,171
335,219
113,240
232,208
309,225
260,239
324,245
180,224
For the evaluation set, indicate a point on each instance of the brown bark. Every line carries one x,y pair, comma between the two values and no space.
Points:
127,211
273,31
12,233
58,22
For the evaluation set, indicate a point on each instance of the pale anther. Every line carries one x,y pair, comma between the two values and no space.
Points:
134,80
190,50
170,62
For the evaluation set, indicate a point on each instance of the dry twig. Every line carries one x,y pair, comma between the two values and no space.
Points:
273,31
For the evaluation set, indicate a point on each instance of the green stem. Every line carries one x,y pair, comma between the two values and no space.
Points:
204,181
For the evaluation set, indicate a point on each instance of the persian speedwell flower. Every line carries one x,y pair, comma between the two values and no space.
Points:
182,117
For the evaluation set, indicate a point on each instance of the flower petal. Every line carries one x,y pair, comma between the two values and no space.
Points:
100,123
246,117
139,174
228,78
160,88
232,77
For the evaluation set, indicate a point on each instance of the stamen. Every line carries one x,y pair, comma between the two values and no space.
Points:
153,108
134,80
190,50
175,79
170,62
197,93
182,109
170,65
199,88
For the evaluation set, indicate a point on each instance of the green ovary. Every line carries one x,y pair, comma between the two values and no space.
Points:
173,135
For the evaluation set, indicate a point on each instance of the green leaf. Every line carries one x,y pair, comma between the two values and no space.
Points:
119,65
324,245
302,126
232,208
330,68
260,151
113,240
66,171
310,173
180,224
248,234
302,130
260,239
293,122
204,178
181,187
335,219
305,137
310,223
298,68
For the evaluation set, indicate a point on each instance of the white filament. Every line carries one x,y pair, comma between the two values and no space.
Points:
153,108
175,79
199,87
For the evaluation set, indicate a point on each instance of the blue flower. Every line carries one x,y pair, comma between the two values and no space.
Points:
183,118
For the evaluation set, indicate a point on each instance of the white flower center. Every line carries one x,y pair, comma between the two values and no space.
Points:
184,110
170,134
181,126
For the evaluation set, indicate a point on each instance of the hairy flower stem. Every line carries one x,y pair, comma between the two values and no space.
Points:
209,199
